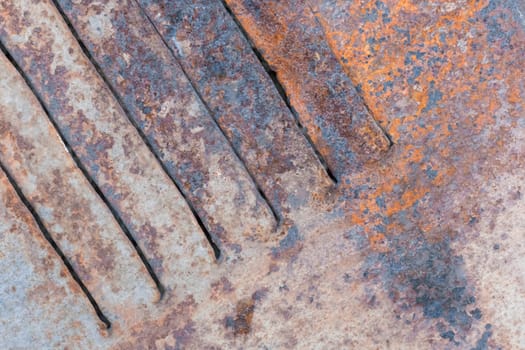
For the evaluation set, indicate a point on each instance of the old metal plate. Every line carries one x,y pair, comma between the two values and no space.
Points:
416,245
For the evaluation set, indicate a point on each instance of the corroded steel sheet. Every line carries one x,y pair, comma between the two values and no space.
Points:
182,133
242,98
445,79
292,43
76,218
107,144
423,249
39,299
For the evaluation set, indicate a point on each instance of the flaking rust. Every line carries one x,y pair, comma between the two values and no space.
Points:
162,102
445,80
292,43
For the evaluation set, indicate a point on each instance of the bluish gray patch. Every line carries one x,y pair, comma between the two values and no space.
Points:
342,150
495,32
371,16
434,96
476,313
416,72
388,85
431,173
288,242
380,228
385,11
196,181
408,57
110,194
405,33
482,343
380,201
448,335
433,274
442,38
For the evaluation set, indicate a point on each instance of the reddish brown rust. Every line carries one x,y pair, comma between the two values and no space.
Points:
107,144
444,80
292,43
163,104
75,217
241,323
223,68
422,250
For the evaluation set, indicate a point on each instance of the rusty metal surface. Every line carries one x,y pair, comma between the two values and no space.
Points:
76,218
242,98
33,278
423,249
292,43
176,123
106,143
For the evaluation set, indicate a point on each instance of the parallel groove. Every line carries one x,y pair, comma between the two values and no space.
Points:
276,215
111,148
289,37
86,52
55,247
243,100
278,86
84,171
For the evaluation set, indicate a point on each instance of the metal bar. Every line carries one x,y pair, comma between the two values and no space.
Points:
176,124
106,143
67,206
40,300
292,42
242,98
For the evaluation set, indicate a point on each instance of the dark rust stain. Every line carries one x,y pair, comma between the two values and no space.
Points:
241,323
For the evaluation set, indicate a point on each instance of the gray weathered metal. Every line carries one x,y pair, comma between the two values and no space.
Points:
420,247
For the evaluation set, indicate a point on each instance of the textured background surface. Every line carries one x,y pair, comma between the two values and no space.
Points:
262,174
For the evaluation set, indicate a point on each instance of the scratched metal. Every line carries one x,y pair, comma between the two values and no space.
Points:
181,131
423,249
106,143
242,98
76,218
35,288
293,45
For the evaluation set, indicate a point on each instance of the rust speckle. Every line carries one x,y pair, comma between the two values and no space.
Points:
289,246
221,287
241,323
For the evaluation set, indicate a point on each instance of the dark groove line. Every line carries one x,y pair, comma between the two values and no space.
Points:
55,247
282,92
276,215
128,114
84,171
389,138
